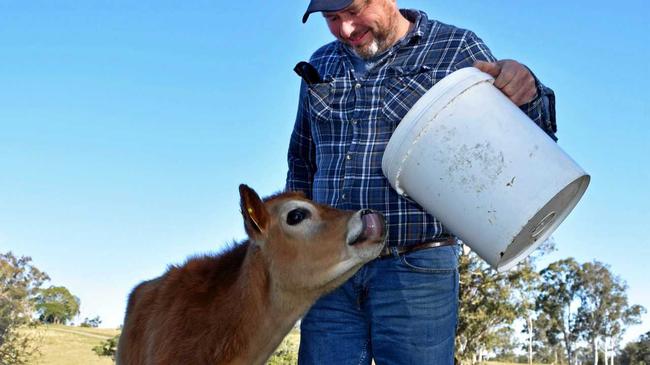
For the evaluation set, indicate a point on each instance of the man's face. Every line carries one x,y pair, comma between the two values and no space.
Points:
368,26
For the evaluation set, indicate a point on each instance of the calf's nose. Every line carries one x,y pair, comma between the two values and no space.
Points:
366,211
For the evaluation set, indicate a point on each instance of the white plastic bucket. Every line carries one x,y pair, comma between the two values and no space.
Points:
474,160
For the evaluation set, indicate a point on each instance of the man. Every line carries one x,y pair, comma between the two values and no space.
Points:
402,307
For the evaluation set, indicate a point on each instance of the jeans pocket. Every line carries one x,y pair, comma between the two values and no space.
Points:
441,260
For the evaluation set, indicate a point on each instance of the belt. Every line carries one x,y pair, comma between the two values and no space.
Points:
438,242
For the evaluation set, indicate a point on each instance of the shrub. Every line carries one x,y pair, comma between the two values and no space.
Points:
94,322
108,347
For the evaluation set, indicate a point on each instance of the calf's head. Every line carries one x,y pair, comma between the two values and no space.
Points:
308,246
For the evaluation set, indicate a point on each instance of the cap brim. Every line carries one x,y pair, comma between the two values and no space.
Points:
327,5
304,17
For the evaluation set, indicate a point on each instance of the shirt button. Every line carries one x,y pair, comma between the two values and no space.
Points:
357,86
348,157
343,196
354,121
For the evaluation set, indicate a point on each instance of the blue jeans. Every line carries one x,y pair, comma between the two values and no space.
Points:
396,310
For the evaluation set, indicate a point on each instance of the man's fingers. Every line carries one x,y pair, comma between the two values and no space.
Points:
512,78
509,83
491,68
502,75
504,78
521,88
524,96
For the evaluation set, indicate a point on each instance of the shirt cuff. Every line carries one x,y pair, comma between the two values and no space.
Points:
542,108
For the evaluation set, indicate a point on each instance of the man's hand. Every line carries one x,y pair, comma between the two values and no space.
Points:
512,78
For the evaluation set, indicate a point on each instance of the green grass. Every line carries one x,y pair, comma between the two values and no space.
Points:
293,339
287,351
65,345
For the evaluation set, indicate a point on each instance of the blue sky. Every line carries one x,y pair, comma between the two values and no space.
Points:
125,128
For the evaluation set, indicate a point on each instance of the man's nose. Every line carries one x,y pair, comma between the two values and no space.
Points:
347,28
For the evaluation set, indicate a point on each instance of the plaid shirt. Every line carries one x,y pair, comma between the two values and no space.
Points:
344,123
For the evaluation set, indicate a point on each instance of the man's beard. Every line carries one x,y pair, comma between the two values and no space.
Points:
368,51
378,44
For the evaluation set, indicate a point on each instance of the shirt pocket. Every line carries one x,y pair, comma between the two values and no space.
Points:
320,100
402,88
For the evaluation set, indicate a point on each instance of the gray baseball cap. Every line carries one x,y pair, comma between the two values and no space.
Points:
325,5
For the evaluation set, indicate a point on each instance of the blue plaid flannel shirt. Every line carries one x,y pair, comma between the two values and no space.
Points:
344,123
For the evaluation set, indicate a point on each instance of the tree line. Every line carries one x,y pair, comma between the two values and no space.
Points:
570,312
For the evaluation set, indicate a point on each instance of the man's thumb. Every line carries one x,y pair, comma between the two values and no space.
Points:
491,68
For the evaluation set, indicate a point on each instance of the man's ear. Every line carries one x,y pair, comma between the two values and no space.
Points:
256,217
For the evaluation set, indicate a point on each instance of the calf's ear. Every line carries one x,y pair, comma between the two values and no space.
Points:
256,217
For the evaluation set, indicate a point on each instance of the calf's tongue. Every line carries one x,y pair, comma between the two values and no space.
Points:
373,225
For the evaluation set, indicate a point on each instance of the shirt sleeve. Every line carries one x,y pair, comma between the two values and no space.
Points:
302,151
541,109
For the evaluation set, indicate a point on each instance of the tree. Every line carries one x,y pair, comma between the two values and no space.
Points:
491,301
56,305
527,293
604,311
19,284
584,302
638,352
547,349
559,291
488,307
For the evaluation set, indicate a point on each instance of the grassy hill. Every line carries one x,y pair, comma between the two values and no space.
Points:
65,345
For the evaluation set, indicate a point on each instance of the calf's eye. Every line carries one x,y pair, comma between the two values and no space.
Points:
296,216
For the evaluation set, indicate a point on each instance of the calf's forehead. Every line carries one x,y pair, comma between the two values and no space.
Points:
289,205
283,203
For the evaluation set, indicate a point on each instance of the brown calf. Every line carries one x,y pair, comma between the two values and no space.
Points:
237,307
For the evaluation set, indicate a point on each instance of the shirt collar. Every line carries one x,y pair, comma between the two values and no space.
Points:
420,19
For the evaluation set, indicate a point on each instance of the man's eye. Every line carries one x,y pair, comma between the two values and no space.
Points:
296,216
